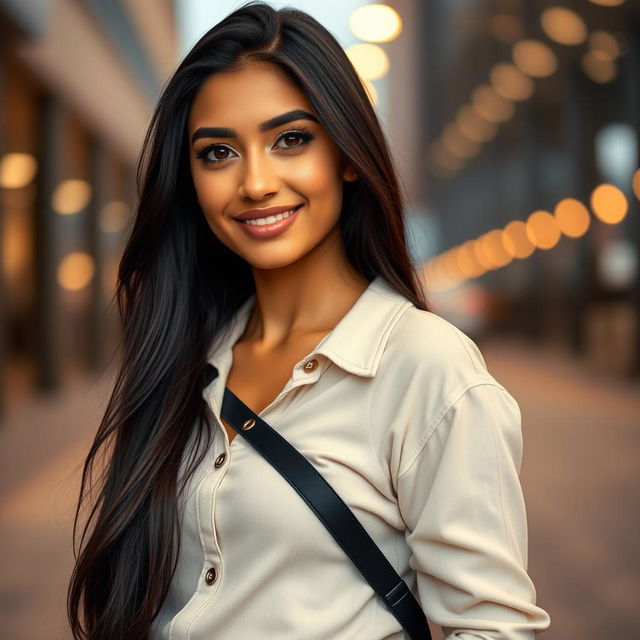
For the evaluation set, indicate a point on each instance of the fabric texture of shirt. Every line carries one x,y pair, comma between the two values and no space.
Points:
404,421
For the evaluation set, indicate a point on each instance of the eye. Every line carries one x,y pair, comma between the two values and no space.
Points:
302,134
206,153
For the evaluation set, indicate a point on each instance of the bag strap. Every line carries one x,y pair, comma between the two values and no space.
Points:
330,509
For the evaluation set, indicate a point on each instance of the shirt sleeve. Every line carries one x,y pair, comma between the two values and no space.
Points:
461,499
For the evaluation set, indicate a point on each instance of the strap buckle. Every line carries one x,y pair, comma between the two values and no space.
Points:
398,593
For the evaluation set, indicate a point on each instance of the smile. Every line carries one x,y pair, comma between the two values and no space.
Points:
269,219
271,225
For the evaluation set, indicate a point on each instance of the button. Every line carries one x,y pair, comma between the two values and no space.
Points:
220,460
211,576
248,424
310,365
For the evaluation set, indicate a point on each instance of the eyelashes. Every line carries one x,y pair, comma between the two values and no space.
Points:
304,134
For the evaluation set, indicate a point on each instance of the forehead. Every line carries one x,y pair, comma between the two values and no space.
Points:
245,98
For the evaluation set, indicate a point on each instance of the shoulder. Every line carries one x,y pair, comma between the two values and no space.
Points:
428,368
429,345
427,365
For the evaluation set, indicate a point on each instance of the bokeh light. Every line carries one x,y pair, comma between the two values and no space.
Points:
481,256
517,239
71,196
534,58
609,204
474,126
618,264
371,61
17,170
495,249
608,3
572,217
75,271
635,183
492,106
597,69
457,143
604,46
114,216
467,261
543,230
563,25
510,82
375,23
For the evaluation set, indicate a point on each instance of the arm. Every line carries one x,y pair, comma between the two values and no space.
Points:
460,496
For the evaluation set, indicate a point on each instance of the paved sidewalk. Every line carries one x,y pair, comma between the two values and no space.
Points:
580,478
42,448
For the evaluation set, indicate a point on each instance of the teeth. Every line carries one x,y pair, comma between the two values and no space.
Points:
269,219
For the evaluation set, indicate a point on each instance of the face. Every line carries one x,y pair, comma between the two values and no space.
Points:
261,160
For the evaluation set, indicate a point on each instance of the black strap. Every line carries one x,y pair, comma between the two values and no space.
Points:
330,509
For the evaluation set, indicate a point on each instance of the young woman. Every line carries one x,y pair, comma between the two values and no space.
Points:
269,242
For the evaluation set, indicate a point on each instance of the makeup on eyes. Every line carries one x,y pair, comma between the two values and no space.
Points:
301,132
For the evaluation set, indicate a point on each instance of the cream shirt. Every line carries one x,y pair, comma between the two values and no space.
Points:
403,420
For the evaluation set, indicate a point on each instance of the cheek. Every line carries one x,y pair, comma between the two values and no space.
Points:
212,201
319,181
318,172
210,193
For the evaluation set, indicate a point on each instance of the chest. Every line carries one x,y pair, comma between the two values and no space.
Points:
245,517
257,379
328,423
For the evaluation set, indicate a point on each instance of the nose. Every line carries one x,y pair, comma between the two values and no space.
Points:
260,177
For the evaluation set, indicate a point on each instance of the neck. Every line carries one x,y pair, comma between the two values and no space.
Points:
304,298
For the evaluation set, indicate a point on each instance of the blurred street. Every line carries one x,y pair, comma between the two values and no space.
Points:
580,477
42,445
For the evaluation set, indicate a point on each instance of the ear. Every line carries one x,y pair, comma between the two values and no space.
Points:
349,174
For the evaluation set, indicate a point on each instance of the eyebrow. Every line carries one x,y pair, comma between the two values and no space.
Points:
276,121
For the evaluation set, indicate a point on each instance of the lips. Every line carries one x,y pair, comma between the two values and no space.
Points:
252,214
266,220
270,229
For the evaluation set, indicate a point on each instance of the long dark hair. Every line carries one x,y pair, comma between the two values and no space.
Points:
177,287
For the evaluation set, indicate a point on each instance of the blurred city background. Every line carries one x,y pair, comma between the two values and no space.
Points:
514,125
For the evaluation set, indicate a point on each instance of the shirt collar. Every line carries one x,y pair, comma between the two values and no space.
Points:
356,343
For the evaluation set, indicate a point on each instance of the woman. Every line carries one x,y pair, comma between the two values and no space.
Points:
269,243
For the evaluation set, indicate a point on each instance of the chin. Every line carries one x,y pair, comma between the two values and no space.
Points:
274,259
268,265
